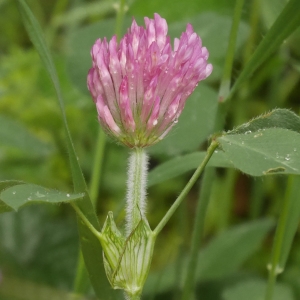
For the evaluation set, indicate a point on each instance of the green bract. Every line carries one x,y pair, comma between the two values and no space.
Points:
127,259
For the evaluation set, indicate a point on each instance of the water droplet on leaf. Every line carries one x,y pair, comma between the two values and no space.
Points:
38,194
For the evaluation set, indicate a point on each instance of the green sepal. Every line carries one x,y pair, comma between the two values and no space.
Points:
127,259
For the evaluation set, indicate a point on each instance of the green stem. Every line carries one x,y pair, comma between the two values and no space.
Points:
187,188
253,22
275,268
81,282
209,173
182,227
241,115
132,297
136,188
120,18
201,209
85,220
226,193
291,229
226,78
97,166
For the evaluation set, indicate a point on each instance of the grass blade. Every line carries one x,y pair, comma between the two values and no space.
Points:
226,78
90,245
286,23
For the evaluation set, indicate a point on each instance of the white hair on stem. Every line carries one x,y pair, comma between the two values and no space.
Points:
136,188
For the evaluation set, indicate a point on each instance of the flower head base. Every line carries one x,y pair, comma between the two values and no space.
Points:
140,85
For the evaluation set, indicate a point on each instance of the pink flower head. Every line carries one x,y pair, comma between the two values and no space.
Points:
140,85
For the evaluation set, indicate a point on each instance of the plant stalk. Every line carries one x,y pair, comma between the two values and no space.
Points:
209,174
275,268
97,166
120,18
187,188
132,297
136,188
201,209
82,282
226,77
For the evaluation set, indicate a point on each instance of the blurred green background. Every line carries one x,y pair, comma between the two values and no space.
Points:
39,244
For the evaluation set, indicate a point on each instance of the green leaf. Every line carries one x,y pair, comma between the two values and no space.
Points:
286,23
255,290
277,118
182,164
22,194
91,247
4,185
14,134
195,124
236,245
265,152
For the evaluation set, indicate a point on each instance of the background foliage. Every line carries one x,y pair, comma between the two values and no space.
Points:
39,245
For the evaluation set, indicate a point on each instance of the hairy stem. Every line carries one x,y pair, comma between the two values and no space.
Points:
136,188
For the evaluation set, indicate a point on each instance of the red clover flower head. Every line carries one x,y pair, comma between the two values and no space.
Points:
140,85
